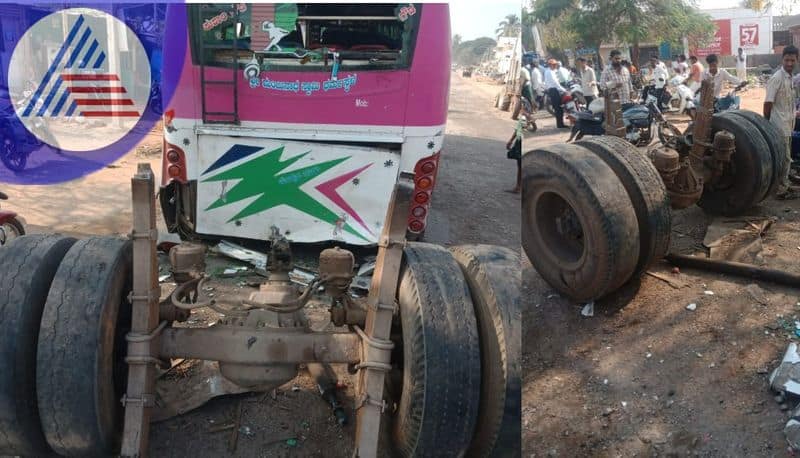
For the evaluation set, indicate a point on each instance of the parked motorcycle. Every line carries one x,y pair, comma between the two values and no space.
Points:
730,101
637,119
10,226
16,143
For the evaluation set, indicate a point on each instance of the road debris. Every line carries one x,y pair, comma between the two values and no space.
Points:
786,377
708,292
691,307
737,240
757,293
674,280
588,309
238,252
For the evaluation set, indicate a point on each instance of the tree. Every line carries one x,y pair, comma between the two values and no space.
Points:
456,41
471,52
508,27
757,5
632,21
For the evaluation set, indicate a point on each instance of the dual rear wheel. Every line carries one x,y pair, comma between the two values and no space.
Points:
596,213
64,315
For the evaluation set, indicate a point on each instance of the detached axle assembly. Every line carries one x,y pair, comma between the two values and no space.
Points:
618,198
434,346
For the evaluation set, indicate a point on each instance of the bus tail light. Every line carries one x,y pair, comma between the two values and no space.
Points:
424,181
173,165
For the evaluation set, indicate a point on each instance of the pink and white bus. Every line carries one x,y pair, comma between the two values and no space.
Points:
298,119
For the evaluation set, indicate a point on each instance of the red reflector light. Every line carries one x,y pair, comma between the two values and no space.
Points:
169,115
421,198
416,226
418,212
173,156
428,167
424,183
174,171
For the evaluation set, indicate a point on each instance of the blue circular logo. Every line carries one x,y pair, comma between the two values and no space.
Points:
83,86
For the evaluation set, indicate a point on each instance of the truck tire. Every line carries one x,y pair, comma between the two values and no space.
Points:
493,276
437,407
82,347
29,264
579,228
647,193
746,183
780,160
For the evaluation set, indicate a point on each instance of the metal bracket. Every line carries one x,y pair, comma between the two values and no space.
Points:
138,337
155,295
386,242
376,354
148,235
393,307
365,399
147,400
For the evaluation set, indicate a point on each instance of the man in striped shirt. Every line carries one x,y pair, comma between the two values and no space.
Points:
616,77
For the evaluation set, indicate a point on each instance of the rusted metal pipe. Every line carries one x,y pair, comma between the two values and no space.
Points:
735,268
260,346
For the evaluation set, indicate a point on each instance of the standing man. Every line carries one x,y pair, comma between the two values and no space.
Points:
741,64
719,75
660,77
588,80
779,108
681,67
525,77
554,91
695,74
615,76
537,89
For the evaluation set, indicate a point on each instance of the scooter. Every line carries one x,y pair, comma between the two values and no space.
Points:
10,226
682,99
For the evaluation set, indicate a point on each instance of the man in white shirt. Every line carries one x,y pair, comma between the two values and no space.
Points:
660,77
718,75
682,67
525,80
588,80
741,64
554,90
779,107
564,75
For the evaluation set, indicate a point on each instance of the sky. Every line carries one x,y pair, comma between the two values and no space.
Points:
479,18
714,4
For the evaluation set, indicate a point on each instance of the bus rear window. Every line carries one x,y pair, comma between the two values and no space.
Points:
304,36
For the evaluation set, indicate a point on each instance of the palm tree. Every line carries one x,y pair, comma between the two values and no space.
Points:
508,27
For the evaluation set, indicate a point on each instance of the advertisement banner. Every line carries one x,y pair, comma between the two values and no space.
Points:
721,43
748,35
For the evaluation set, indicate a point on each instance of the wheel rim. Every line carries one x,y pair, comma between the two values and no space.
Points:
560,229
7,233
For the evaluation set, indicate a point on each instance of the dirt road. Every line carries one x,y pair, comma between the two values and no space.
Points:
645,376
469,206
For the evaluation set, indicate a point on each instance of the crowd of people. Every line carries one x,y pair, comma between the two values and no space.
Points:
550,78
